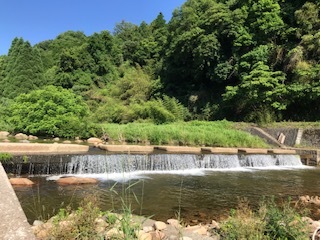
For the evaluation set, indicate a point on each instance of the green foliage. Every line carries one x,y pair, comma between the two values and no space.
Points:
5,157
283,222
24,70
219,133
234,59
50,111
260,90
270,221
80,224
243,224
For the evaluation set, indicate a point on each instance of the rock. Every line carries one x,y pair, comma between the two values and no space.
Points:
94,141
158,235
24,141
198,229
76,180
21,136
143,235
315,200
148,229
158,225
21,181
6,140
215,225
31,137
174,222
56,139
304,199
67,142
100,225
37,223
113,233
42,234
4,134
314,227
185,238
78,141
173,237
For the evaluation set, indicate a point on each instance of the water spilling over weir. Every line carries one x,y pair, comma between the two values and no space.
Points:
127,163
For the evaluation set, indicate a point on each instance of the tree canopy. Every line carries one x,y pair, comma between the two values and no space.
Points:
214,59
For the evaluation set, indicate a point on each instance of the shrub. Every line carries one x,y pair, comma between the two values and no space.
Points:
283,222
269,222
243,224
5,157
51,111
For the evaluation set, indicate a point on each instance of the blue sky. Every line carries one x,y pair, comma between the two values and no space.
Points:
39,20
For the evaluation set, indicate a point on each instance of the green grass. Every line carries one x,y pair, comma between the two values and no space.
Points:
5,157
270,221
194,133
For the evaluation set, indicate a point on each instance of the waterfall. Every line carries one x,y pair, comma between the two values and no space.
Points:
128,163
89,164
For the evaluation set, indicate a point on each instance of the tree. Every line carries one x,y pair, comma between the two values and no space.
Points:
51,111
260,95
24,70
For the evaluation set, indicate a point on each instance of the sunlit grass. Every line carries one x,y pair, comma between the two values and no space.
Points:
194,133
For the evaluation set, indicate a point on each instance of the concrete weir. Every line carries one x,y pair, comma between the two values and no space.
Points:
127,148
42,148
13,224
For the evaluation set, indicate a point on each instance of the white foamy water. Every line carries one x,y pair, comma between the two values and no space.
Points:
125,167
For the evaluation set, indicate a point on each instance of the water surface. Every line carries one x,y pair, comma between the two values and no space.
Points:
203,195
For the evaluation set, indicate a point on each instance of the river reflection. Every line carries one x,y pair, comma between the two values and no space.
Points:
205,197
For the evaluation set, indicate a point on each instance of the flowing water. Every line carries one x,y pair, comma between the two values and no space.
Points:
199,187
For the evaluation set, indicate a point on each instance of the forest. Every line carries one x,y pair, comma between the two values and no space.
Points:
239,60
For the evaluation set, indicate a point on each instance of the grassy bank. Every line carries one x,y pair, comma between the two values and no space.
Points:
270,221
194,133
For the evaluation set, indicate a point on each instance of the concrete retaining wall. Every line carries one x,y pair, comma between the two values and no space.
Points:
290,133
13,221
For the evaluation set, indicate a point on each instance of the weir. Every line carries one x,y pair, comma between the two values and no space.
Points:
126,163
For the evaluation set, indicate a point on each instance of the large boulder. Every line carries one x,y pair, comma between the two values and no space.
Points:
21,181
31,137
21,136
4,134
76,180
94,141
158,225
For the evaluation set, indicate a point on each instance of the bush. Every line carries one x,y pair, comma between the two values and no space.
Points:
243,224
5,157
269,222
283,222
52,111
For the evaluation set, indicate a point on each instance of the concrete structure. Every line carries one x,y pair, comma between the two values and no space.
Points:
252,151
219,150
127,148
178,149
282,151
42,148
13,221
310,157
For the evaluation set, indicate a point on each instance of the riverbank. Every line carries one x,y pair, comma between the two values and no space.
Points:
270,221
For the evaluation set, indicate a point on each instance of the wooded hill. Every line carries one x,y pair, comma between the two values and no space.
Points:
240,60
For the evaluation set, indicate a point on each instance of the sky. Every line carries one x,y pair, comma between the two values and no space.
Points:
39,20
